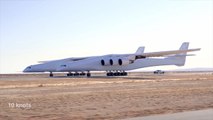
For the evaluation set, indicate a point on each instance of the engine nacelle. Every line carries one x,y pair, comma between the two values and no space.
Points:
113,61
116,61
124,61
105,62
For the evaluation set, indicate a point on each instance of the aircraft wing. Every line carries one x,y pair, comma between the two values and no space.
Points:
66,59
165,53
46,61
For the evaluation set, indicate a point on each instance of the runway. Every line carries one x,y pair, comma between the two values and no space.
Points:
37,96
189,115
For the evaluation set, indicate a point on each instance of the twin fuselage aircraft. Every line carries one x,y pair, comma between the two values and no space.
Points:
113,64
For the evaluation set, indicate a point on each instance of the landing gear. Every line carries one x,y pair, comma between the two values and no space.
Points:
122,73
69,74
109,74
76,74
51,74
88,74
82,74
79,74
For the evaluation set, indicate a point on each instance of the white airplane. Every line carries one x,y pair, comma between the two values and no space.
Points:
113,64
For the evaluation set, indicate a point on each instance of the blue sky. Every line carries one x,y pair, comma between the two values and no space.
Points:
36,30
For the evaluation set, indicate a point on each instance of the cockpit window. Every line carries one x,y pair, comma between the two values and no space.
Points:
29,67
63,65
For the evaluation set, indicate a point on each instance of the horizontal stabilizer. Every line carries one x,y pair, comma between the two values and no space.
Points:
165,53
184,55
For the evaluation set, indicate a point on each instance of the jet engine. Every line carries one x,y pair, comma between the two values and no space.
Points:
116,61
105,62
113,61
124,61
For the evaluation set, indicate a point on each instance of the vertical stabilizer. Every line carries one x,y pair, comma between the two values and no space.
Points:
140,51
184,46
180,59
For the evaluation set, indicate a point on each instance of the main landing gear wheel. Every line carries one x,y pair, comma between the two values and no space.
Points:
70,74
79,74
88,74
117,73
51,74
82,74
76,74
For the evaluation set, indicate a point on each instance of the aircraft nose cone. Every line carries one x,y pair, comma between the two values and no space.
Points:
27,69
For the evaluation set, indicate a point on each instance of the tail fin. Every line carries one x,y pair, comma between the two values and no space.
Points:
140,51
184,46
180,59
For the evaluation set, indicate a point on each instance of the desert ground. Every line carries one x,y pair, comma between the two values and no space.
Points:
37,96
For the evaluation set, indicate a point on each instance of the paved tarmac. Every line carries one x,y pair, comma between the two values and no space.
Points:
189,115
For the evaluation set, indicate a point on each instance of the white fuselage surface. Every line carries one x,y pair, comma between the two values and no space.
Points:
114,64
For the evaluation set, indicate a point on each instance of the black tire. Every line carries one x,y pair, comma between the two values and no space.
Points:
70,74
51,75
108,74
111,74
118,73
76,74
125,73
88,74
122,74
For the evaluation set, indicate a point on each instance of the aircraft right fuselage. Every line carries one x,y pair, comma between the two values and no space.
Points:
114,63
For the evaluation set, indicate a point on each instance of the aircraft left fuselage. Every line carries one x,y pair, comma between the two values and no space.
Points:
113,64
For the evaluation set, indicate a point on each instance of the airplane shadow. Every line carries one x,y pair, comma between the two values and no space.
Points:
107,77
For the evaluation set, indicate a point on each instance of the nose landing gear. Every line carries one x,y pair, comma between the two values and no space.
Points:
51,74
